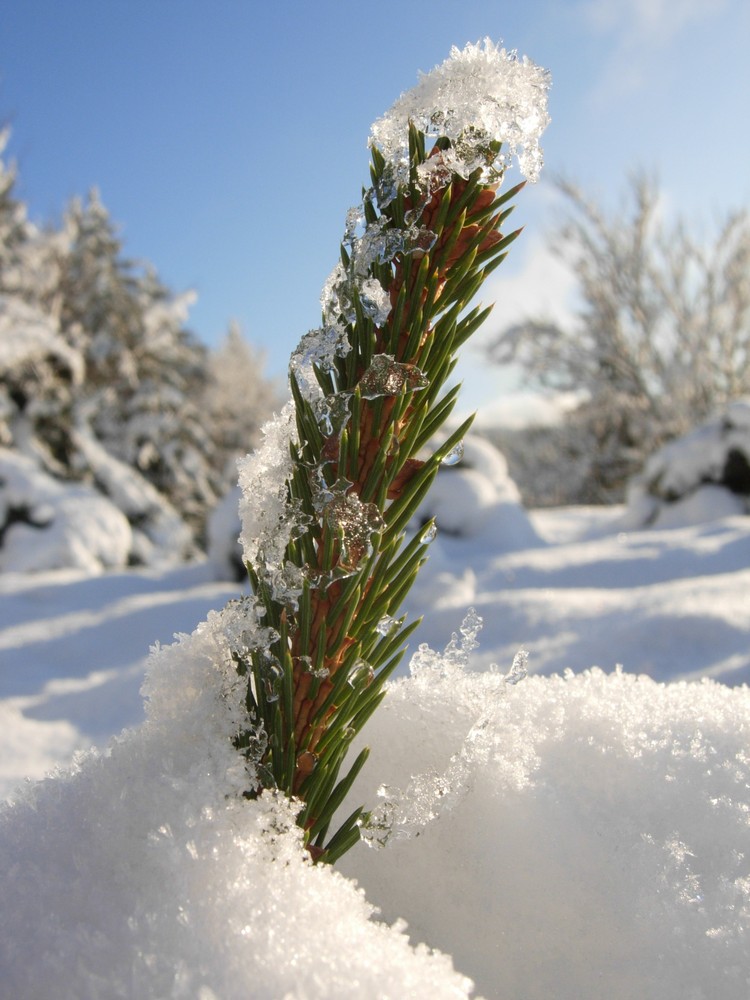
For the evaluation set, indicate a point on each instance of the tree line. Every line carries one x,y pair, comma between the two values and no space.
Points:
95,351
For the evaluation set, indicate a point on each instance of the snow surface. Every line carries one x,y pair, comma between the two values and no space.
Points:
590,834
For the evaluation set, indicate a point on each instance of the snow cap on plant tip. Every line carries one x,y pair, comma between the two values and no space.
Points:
480,94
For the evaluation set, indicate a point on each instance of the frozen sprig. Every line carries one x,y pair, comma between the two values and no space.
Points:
481,94
329,495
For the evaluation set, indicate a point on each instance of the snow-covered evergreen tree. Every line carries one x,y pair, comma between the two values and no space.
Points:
143,368
39,370
238,399
101,382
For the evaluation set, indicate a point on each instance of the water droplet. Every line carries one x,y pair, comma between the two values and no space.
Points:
386,625
306,763
455,455
429,534
361,674
273,677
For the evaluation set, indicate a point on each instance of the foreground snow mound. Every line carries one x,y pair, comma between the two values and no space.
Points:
143,873
566,837
702,476
572,837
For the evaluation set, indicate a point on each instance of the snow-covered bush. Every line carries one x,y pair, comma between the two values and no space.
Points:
701,476
473,496
224,548
660,340
160,535
48,524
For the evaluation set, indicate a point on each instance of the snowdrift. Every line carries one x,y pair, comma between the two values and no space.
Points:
566,837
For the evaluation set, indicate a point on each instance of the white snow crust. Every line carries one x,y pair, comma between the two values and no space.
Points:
589,833
143,873
264,513
572,836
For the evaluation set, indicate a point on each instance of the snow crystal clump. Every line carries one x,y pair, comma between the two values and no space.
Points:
480,94
144,873
317,349
269,521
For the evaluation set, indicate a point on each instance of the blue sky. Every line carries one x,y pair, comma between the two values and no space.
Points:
228,138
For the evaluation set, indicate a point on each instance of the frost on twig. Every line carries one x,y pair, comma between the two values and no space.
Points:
329,494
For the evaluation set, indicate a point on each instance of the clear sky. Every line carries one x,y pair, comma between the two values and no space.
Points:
229,137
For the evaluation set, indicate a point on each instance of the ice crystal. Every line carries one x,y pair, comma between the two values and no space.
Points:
375,301
323,494
379,243
388,377
242,626
317,349
354,522
519,668
481,94
333,412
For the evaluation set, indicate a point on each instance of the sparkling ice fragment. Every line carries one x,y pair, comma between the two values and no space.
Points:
388,377
355,522
317,349
519,668
375,301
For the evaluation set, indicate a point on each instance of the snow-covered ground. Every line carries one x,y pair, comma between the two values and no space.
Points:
575,836
673,604
579,833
